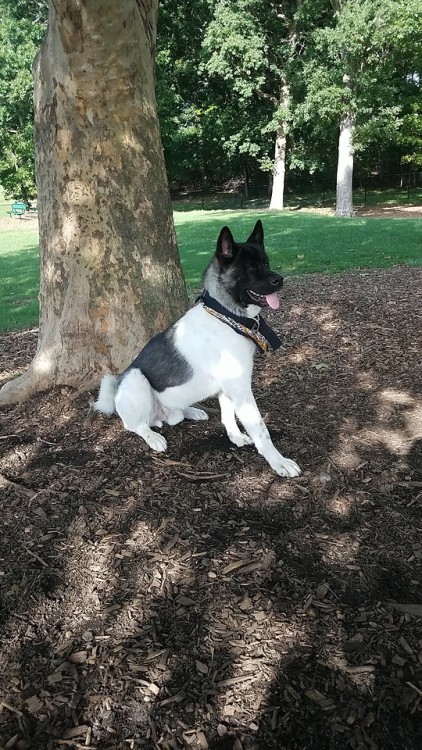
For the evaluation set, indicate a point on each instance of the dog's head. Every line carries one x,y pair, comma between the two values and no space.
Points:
244,270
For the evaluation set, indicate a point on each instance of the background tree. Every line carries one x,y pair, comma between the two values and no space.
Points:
256,49
219,75
22,27
354,77
251,47
110,273
181,92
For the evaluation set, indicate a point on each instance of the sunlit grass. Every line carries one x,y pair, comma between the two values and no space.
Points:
19,279
303,243
296,243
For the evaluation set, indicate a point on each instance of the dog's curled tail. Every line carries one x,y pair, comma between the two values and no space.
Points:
105,402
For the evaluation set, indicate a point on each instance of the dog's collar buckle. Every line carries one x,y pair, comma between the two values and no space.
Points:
255,327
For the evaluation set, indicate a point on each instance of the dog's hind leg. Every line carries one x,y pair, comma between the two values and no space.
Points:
229,421
196,415
135,407
174,416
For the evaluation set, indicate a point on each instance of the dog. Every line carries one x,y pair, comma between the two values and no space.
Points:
208,352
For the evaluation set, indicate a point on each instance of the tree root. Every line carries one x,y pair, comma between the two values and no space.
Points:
23,387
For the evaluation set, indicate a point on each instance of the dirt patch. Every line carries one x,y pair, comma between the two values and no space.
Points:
391,212
371,212
26,221
195,600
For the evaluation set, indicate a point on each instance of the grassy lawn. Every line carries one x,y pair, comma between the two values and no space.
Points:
296,243
19,278
303,243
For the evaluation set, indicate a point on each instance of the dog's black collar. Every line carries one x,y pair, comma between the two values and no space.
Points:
255,329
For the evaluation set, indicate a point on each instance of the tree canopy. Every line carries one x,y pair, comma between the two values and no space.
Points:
22,25
233,76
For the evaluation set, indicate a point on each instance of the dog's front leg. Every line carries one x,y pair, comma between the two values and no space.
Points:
248,413
228,419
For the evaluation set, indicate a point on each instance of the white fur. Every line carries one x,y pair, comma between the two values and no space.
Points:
221,361
107,394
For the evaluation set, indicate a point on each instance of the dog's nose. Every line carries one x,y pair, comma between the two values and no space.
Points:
276,280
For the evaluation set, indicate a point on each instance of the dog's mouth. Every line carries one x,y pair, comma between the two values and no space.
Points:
265,300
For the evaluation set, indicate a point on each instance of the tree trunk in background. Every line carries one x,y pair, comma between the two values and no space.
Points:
279,169
110,272
344,191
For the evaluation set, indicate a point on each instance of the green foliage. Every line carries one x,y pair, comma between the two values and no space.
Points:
189,115
411,134
363,62
248,49
230,71
20,36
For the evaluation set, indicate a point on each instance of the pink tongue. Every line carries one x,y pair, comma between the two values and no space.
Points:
273,301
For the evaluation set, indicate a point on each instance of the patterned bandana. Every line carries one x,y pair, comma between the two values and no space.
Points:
255,329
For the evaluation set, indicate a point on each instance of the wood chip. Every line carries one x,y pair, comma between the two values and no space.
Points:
9,707
78,657
75,731
326,703
410,609
404,644
201,667
202,741
235,680
231,567
35,705
177,698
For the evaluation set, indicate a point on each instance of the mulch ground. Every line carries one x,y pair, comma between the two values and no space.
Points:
195,600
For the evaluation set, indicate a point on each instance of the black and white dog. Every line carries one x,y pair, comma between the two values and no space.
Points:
208,352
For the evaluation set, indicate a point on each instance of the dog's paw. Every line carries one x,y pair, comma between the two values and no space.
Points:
174,417
285,467
197,415
156,442
240,439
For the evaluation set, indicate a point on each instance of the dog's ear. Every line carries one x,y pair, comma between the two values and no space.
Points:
257,236
225,244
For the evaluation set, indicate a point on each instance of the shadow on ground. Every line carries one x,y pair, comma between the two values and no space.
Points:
195,600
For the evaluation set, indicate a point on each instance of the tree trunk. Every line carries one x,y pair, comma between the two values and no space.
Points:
344,192
246,180
110,272
279,169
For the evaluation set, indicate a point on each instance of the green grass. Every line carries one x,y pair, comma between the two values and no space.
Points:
296,243
19,279
303,243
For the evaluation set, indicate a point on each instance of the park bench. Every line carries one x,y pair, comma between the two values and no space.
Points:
18,208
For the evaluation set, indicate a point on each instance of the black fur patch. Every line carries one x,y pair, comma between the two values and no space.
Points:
161,362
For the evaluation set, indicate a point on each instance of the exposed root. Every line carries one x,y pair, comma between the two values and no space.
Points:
23,387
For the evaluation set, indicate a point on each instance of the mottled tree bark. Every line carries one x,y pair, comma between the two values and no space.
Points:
110,272
344,192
